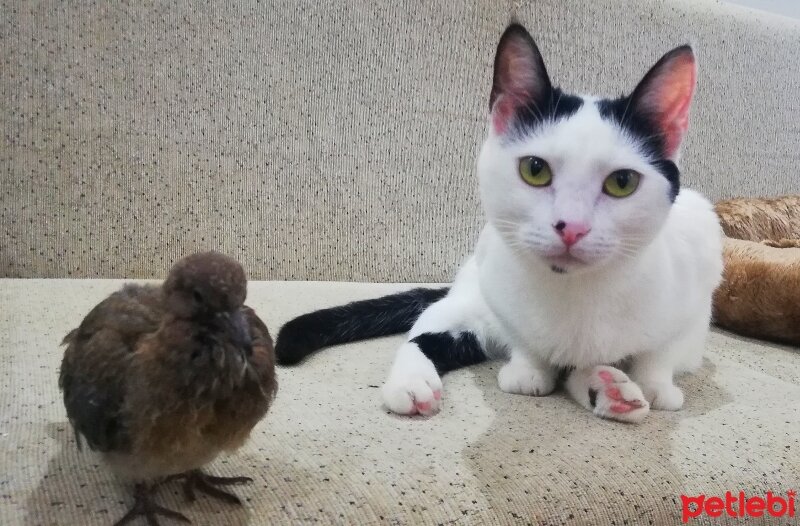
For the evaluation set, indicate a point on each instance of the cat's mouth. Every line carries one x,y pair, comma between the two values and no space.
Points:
563,263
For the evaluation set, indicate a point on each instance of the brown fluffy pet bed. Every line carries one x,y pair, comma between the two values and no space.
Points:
760,291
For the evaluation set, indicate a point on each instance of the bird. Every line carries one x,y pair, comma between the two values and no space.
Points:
160,379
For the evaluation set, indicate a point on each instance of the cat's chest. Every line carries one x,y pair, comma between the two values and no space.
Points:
562,323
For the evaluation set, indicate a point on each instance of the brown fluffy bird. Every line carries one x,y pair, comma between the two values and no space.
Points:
162,379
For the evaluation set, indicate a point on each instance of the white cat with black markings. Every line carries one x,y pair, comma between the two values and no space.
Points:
592,255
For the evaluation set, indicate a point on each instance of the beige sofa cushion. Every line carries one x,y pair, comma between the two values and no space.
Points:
328,453
331,140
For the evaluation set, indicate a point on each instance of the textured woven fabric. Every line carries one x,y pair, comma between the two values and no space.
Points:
328,453
330,140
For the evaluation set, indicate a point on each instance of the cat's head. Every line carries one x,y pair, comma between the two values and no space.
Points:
580,182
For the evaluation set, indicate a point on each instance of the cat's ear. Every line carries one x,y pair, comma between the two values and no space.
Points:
664,95
520,78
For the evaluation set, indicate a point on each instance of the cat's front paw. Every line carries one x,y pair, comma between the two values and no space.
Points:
518,377
613,395
413,386
663,396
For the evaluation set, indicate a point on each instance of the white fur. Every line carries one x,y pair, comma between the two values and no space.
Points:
637,287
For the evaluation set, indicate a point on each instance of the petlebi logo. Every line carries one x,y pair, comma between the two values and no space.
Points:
738,505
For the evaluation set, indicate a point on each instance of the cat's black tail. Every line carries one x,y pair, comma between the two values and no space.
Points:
356,321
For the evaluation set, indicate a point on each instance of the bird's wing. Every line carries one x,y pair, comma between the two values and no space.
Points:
263,358
95,367
258,331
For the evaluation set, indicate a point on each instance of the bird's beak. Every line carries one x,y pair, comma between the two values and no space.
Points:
241,331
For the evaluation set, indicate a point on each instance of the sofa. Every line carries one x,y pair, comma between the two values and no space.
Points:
330,147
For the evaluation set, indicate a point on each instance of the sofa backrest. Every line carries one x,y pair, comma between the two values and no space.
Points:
331,140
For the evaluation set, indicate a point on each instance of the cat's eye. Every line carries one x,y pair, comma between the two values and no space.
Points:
621,183
535,171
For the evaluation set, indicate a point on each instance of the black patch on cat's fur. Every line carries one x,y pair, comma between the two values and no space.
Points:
669,170
647,133
448,352
593,397
356,321
559,105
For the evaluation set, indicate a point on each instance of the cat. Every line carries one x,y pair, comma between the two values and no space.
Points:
592,254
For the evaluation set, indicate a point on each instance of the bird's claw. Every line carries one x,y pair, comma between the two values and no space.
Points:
146,507
197,480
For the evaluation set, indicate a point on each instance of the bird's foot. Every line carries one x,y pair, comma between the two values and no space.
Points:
197,480
147,508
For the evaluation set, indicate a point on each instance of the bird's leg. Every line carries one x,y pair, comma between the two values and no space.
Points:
144,506
197,480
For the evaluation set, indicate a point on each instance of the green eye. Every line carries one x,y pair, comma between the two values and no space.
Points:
621,183
535,171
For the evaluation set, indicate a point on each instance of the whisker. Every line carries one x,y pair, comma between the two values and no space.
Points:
625,112
555,110
526,105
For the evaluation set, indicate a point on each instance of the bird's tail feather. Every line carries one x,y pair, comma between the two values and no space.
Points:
69,337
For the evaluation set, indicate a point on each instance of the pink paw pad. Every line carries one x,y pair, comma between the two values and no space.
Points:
606,376
625,406
422,406
620,405
437,395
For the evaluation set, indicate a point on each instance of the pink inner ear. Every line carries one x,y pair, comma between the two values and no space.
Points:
518,74
502,113
670,98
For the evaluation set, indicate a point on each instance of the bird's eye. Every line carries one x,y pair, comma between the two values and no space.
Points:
535,171
621,183
197,296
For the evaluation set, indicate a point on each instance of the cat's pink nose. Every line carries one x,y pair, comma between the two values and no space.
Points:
571,233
